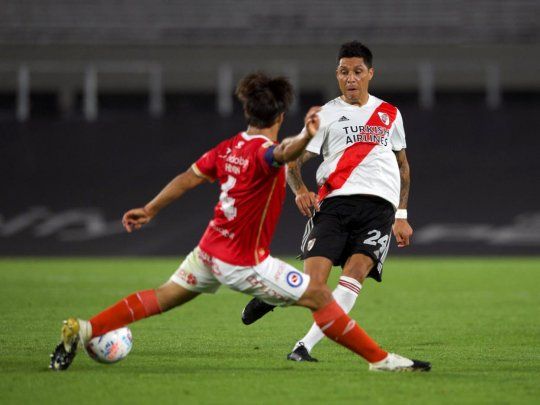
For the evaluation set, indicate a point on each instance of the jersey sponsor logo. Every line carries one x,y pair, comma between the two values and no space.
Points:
367,138
367,129
232,169
311,243
237,160
235,164
384,118
373,134
294,279
343,118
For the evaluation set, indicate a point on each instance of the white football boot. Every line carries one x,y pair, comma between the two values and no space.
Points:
395,362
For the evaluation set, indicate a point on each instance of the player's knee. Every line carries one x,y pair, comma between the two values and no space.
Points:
170,295
316,296
318,269
358,266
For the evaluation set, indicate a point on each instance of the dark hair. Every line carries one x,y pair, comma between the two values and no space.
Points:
355,49
264,98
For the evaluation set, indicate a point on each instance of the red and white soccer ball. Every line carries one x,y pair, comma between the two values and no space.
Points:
110,347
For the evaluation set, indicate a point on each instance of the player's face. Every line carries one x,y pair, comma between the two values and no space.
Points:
353,77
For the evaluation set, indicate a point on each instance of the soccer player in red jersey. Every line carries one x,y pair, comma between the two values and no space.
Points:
234,250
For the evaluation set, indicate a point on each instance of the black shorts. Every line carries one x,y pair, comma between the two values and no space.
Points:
346,225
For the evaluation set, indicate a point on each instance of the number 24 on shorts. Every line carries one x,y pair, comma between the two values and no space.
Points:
376,239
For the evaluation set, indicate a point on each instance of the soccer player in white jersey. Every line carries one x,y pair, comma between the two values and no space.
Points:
363,189
235,248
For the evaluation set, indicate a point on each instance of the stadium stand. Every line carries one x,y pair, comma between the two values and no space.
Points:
303,22
102,102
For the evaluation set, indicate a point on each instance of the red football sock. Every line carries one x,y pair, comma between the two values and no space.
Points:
337,325
136,306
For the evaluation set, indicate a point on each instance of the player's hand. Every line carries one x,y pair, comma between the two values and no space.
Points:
402,232
134,219
312,121
306,201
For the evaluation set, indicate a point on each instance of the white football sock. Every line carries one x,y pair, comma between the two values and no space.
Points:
345,295
85,331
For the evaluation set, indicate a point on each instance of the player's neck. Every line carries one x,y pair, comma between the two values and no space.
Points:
271,132
360,102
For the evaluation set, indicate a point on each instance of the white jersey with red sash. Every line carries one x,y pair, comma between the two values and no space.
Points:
357,144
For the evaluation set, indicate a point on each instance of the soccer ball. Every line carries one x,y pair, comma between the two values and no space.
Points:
111,347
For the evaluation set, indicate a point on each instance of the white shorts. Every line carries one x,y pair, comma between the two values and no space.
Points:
272,281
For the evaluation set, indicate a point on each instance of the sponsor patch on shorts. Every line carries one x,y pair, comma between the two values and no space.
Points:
294,279
189,278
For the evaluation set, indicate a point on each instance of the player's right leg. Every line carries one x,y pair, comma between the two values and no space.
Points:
191,278
134,307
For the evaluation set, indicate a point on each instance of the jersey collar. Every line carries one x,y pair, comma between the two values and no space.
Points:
250,137
371,100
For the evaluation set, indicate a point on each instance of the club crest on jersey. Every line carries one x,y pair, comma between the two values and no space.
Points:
294,279
311,243
384,118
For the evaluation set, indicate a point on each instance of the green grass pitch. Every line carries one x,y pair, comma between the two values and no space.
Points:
477,320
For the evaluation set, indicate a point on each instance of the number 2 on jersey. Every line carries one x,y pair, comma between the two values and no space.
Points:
227,202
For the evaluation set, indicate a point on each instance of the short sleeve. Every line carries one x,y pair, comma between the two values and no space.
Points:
205,166
397,137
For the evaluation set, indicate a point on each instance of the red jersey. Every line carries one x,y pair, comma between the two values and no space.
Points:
250,203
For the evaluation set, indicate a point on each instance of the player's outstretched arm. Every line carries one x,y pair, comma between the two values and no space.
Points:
137,217
291,148
402,229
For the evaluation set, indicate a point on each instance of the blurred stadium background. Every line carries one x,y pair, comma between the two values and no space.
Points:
102,102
